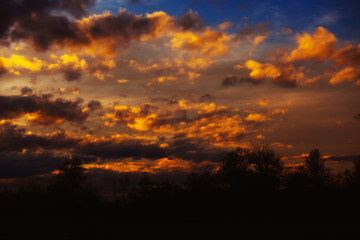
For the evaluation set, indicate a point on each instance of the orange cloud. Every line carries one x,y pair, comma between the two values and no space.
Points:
225,26
349,74
67,61
156,166
208,43
173,69
261,71
16,63
105,36
319,46
349,55
216,123
121,81
263,102
70,64
256,117
259,39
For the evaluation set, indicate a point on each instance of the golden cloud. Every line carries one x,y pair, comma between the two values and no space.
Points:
15,63
261,71
319,46
208,43
349,74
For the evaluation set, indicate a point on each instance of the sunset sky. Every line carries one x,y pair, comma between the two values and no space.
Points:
170,86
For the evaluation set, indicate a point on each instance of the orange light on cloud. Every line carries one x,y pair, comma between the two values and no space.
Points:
260,71
319,46
17,62
349,74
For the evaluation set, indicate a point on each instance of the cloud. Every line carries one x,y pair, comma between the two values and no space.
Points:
173,69
255,35
282,74
195,150
191,21
16,62
286,30
206,98
208,43
118,31
102,36
17,139
26,91
256,117
319,46
349,55
261,71
94,104
290,68
22,165
248,31
121,148
42,109
230,80
14,11
44,29
71,65
216,123
349,74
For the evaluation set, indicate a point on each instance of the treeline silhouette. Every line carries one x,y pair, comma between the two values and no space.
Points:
249,182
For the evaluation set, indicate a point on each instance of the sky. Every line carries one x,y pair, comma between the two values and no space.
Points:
168,87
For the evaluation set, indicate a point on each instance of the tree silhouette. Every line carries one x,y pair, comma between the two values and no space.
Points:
120,186
69,177
315,164
69,192
265,161
357,167
315,168
235,166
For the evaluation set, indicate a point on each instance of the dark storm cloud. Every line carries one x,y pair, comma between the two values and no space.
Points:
111,149
33,18
189,149
194,149
125,26
45,30
49,111
39,23
231,80
191,21
15,139
21,165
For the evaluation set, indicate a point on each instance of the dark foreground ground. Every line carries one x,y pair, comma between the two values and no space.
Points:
216,228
